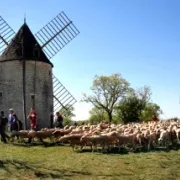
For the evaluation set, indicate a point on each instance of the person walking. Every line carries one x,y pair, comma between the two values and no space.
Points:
75,123
33,119
155,118
17,124
58,120
11,119
3,122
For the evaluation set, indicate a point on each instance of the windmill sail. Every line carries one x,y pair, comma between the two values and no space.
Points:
6,34
62,97
56,34
52,38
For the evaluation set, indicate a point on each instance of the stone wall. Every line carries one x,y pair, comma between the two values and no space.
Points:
11,87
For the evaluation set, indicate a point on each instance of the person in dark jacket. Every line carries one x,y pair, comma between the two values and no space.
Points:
58,120
3,123
75,123
17,125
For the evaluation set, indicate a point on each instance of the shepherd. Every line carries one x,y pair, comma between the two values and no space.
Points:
11,119
3,123
33,119
154,118
58,120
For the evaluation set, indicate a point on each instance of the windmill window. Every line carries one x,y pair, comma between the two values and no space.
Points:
32,96
1,95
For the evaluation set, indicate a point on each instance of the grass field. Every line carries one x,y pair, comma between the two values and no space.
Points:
60,162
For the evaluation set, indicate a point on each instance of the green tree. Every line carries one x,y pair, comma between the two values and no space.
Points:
131,107
67,121
107,92
149,111
97,115
67,111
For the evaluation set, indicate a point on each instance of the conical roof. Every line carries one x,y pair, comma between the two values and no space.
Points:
24,46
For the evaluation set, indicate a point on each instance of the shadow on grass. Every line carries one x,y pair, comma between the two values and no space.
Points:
11,167
39,172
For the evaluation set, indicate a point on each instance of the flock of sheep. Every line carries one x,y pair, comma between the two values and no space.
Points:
107,136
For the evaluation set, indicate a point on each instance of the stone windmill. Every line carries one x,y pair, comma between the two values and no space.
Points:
26,78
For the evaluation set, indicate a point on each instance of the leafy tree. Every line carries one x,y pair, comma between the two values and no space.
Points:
149,111
67,121
107,92
130,109
97,115
144,94
132,106
67,111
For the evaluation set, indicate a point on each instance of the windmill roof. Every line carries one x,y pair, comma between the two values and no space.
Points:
24,46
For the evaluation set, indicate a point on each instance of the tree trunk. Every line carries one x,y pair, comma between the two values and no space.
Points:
110,116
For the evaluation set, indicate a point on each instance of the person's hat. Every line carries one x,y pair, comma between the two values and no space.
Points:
11,109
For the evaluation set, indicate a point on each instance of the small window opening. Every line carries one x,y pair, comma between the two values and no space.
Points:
32,96
1,95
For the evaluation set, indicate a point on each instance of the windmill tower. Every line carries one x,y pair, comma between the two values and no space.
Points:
26,77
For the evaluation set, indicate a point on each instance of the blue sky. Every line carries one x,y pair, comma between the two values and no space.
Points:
137,38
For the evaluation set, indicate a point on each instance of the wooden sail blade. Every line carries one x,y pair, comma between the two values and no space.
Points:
56,34
6,34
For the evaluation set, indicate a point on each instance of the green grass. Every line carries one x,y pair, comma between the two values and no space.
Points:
60,162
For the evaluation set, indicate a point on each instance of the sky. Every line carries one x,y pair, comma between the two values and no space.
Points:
138,38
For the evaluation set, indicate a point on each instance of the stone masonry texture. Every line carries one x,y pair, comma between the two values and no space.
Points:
11,88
